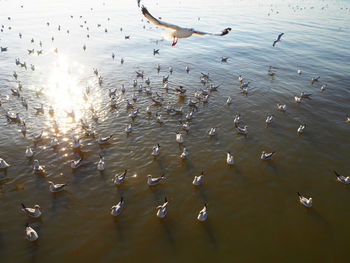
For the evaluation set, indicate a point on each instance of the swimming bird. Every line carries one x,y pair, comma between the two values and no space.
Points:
184,154
15,92
165,79
171,70
243,131
119,178
148,110
54,142
159,118
54,188
148,81
31,234
75,164
178,111
3,164
179,137
198,179
189,115
299,71
156,150
343,179
212,131
154,181
323,87
305,95
240,79
229,101
266,156
39,109
269,120
24,128
117,209
237,119
185,126
179,32
38,138
32,212
133,114
128,128
101,164
104,140
278,39
162,209
29,152
224,59
282,107
301,128
305,201
187,69
202,216
37,168
12,118
76,143
297,99
139,74
122,88
229,159
191,103
158,68
314,79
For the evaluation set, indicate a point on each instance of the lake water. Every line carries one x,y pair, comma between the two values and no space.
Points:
253,211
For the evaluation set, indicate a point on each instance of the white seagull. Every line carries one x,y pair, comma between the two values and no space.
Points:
32,212
3,164
301,128
154,181
198,179
202,216
116,209
156,150
184,154
76,163
266,156
119,178
305,201
37,168
101,164
179,32
179,138
212,131
29,152
54,188
229,159
343,179
104,140
243,131
31,234
162,209
282,107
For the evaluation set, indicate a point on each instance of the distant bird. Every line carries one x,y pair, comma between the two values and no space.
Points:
212,131
138,3
179,138
301,128
198,179
184,154
224,59
156,150
117,209
299,71
237,119
187,69
54,188
282,107
155,51
32,212
347,119
101,164
305,201
269,120
119,178
305,95
340,178
202,216
266,156
104,140
229,101
278,39
29,152
13,118
297,99
243,131
37,168
3,49
162,209
154,181
323,87
31,234
76,163
314,79
3,164
179,32
229,159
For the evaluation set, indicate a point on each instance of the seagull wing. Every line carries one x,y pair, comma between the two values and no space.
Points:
222,33
157,22
279,36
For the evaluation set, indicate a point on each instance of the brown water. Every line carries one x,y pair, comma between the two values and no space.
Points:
253,210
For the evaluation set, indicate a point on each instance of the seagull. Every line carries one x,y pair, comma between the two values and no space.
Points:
119,178
162,209
243,131
101,164
54,142
305,201
301,128
202,216
165,79
179,138
299,71
282,107
116,209
185,126
189,115
154,181
32,212
323,87
54,188
76,143
278,39
240,78
128,128
76,163
224,59
179,32
171,70
29,152
156,150
3,164
314,79
212,131
266,156
37,138
297,99
139,74
184,154
269,120
148,110
147,81
198,179
31,234
37,168
187,69
229,159
159,118
237,119
245,85
155,51
104,140
229,101
305,95
347,119
340,178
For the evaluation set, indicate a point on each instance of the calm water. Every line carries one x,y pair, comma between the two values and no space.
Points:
253,209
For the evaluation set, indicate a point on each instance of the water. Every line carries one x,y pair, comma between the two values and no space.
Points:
253,209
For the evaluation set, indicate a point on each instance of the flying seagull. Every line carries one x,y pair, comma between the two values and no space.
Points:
278,39
179,32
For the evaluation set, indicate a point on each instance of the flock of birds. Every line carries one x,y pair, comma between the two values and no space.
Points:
193,103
